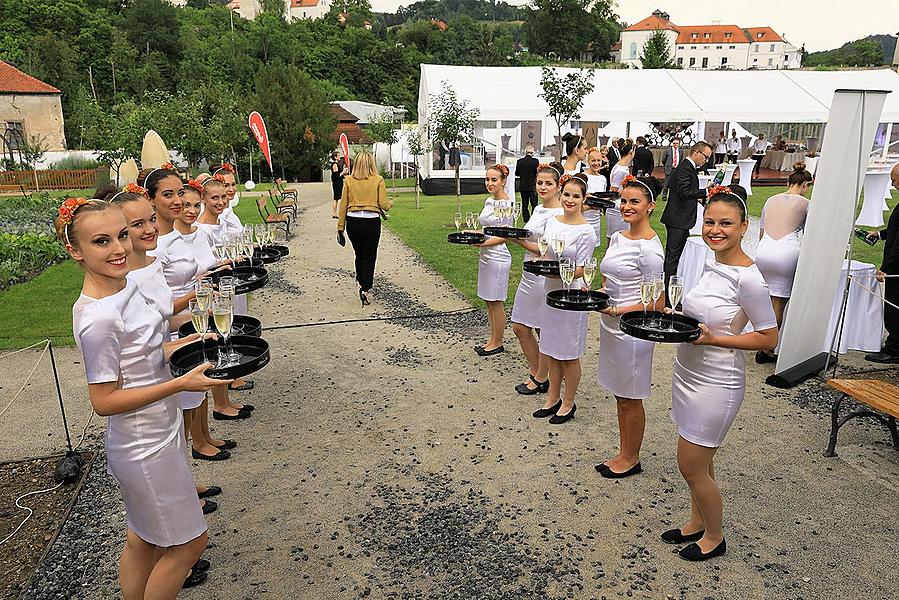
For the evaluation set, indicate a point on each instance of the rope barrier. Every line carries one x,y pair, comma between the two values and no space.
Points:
458,311
27,379
873,293
26,508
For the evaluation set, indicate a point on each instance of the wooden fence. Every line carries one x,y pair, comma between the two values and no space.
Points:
49,179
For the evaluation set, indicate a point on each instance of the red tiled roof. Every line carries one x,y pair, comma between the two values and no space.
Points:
14,81
303,3
653,22
767,34
342,114
716,34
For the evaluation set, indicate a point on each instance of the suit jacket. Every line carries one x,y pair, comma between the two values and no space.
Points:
683,196
890,236
613,157
643,161
668,159
526,170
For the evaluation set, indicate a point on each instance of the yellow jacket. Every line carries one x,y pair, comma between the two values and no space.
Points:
362,194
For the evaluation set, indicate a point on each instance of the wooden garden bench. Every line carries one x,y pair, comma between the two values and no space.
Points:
283,205
880,396
278,219
286,192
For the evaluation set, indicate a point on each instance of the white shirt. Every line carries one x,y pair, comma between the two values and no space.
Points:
363,214
721,147
760,146
734,146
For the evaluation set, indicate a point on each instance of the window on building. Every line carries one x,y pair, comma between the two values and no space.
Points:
755,60
759,35
694,35
723,60
692,61
770,62
758,47
718,47
634,50
728,34
680,61
15,134
732,47
705,62
772,48
692,47
706,35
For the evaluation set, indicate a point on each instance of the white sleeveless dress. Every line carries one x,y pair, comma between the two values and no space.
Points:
563,333
530,299
595,184
120,338
229,217
614,222
709,382
625,362
495,262
783,220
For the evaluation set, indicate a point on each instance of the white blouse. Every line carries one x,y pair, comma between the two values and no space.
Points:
537,223
618,173
488,219
151,283
626,262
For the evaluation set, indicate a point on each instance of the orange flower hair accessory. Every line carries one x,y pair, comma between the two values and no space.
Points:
591,150
719,189
629,179
217,177
503,170
564,178
227,167
133,188
194,184
68,208
168,166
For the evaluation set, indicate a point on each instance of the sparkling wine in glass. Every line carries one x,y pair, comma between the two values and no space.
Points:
589,271
199,316
543,246
223,316
675,294
558,244
566,272
647,285
516,212
457,219
658,282
204,294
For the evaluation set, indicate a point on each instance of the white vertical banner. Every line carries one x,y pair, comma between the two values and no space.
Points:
845,152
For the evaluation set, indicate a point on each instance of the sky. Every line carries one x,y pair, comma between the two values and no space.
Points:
819,24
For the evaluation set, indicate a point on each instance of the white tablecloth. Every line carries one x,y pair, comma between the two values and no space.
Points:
877,184
863,327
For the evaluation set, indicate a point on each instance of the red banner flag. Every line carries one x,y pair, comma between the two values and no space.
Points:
345,147
257,126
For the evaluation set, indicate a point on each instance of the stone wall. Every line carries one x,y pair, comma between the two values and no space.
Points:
41,115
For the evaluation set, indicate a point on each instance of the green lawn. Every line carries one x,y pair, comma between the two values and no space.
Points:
400,182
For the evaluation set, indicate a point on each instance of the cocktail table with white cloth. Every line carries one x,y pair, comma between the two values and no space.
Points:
746,167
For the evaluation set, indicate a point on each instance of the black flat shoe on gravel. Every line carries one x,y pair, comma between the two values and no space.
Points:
247,407
558,419
201,565
210,506
482,352
241,414
607,472
674,536
211,490
524,390
762,358
542,413
194,579
228,445
694,553
220,455
246,385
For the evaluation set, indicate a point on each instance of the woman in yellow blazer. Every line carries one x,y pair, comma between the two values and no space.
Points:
362,205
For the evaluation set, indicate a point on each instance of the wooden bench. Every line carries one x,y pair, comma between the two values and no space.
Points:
286,192
881,396
283,205
277,219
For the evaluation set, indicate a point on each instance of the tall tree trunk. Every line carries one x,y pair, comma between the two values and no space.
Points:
559,130
417,188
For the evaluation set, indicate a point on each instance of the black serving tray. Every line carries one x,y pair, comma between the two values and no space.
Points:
599,203
466,237
242,325
507,232
577,299
254,355
241,284
266,256
283,250
542,267
686,329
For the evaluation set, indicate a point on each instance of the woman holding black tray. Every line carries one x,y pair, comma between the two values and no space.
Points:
530,299
563,333
625,362
708,382
596,183
124,343
494,262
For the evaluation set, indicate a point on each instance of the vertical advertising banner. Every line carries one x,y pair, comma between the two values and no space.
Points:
257,126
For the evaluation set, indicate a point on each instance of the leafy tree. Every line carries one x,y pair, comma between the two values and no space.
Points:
451,121
383,129
152,27
564,95
860,53
418,145
560,26
656,53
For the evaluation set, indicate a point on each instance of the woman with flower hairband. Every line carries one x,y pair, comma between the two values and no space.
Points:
625,362
709,380
621,170
227,174
124,344
596,183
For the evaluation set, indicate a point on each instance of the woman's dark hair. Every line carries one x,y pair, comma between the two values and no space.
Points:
736,198
580,179
799,174
626,148
555,169
571,141
150,179
106,191
642,183
110,193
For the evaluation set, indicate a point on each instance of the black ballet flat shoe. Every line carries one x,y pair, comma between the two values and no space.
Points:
524,390
220,455
210,506
247,408
542,413
762,357
245,386
228,445
558,419
694,553
482,352
201,565
674,536
211,490
241,414
607,472
194,579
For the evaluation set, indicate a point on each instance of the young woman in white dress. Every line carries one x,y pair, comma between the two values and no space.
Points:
621,170
124,344
783,219
575,152
494,262
530,299
596,183
625,362
563,333
229,179
709,382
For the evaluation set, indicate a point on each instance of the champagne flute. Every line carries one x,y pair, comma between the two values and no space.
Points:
675,293
203,293
658,282
566,272
589,271
647,284
270,233
259,235
200,319
223,315
543,246
558,244
457,219
516,212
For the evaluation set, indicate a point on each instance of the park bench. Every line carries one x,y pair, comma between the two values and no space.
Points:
278,219
283,205
881,397
287,193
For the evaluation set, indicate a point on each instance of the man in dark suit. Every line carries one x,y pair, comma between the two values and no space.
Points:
889,354
643,159
526,170
671,159
614,152
683,201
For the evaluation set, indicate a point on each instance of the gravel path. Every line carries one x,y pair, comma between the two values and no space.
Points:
386,460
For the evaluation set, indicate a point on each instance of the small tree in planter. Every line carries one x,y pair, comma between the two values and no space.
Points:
418,145
564,96
450,120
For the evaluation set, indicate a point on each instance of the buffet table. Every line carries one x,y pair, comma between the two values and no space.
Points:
778,160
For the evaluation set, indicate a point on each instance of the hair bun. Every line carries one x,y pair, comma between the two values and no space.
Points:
799,166
568,135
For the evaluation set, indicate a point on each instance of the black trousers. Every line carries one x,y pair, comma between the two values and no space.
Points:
528,203
674,247
891,316
719,158
732,158
758,162
364,235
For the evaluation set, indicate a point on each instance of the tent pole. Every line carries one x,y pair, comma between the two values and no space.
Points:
886,140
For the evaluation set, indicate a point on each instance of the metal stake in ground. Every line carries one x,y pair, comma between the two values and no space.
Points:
68,469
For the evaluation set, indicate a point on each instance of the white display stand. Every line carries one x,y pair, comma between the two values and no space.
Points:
877,184
746,167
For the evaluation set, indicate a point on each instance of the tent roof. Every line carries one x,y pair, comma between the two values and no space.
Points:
776,96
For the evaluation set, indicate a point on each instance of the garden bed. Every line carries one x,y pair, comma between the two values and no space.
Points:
28,243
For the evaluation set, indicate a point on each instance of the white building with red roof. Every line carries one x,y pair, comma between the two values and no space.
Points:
710,47
30,110
293,9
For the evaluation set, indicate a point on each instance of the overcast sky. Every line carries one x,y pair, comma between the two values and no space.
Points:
819,24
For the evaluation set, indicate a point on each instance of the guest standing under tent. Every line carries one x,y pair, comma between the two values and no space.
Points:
625,362
621,170
889,353
363,204
530,299
671,159
338,173
780,232
733,146
759,147
526,170
124,344
709,379
720,149
494,261
643,162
